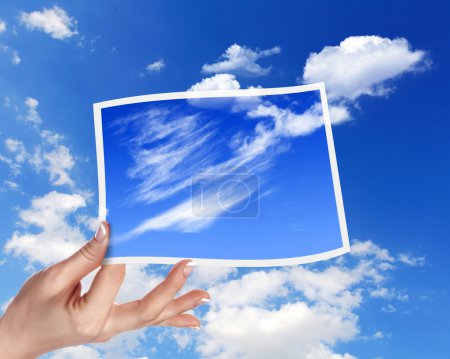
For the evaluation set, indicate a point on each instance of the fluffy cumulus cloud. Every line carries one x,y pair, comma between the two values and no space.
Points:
241,60
222,82
58,162
362,65
217,82
55,22
156,66
299,312
55,237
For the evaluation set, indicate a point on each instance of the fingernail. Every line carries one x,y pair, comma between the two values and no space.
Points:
194,327
188,268
203,301
100,235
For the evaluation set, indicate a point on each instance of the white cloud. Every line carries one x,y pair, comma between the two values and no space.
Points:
241,60
77,352
222,82
158,167
16,148
15,59
298,312
11,184
2,26
156,66
184,219
50,137
409,259
217,82
56,239
368,249
17,155
50,156
382,292
122,345
191,145
32,113
59,162
54,22
338,113
362,65
388,294
14,54
205,276
389,309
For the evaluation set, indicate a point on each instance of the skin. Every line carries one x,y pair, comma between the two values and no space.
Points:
50,313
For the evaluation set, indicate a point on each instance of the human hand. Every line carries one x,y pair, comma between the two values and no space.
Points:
50,313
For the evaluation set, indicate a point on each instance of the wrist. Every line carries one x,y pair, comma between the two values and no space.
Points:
10,346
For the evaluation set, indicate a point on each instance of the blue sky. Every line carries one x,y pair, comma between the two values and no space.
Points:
388,299
233,178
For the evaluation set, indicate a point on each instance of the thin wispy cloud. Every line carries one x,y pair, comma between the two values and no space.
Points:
170,148
13,54
54,21
32,114
167,148
241,60
2,26
182,218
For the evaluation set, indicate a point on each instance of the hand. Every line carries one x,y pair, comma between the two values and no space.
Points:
50,313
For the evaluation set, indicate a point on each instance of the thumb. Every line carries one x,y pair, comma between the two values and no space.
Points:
88,257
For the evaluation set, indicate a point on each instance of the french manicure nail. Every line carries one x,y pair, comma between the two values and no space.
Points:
194,327
100,235
188,268
203,301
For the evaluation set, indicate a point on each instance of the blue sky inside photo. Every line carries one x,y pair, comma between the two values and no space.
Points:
220,178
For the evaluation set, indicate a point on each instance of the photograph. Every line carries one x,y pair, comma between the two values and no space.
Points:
248,178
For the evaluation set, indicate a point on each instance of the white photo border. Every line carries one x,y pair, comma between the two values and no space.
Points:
226,93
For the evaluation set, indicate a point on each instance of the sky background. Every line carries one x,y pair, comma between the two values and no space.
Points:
385,66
